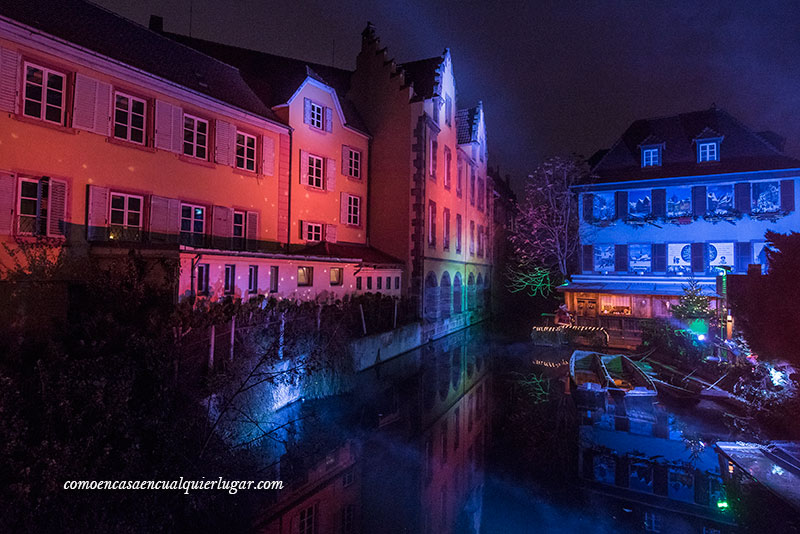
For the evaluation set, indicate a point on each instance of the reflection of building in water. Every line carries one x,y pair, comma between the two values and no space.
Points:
647,475
404,453
424,472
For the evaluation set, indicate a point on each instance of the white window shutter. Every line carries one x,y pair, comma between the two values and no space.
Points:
84,103
252,228
345,160
174,220
303,167
97,216
222,224
328,120
268,156
177,130
8,184
224,143
165,218
306,111
343,208
330,233
102,109
163,137
330,174
57,209
9,71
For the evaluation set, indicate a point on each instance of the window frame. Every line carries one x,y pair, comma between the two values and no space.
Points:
459,228
431,224
194,142
314,110
706,144
309,275
448,163
42,202
46,73
246,136
274,274
308,233
129,114
229,281
126,211
312,175
446,229
353,210
340,281
201,282
654,159
192,219
353,164
252,279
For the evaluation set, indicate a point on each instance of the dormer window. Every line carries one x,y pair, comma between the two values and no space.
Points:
651,156
707,151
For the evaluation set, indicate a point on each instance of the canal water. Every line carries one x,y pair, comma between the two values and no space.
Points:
477,432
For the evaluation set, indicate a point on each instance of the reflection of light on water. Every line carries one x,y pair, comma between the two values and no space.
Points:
777,470
778,378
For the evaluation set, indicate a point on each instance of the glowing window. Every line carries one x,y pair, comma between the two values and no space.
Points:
44,97
129,118
651,157
195,136
245,151
305,276
337,276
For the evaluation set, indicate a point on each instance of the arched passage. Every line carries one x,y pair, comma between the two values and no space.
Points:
457,296
479,291
444,295
471,291
431,298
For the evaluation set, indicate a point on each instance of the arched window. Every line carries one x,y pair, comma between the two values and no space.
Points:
479,292
471,291
444,295
431,297
457,297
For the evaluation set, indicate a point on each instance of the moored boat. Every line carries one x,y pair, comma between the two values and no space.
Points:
588,372
628,377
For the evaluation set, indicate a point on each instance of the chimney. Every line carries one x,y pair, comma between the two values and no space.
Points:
156,23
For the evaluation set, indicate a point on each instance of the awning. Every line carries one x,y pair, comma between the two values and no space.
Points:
671,288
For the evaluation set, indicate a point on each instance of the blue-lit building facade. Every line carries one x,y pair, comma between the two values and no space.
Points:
675,198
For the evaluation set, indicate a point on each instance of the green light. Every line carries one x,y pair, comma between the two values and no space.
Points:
722,505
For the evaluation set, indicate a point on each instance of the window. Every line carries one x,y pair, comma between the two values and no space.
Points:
652,522
458,233
651,157
245,151
315,167
44,97
238,229
352,163
397,282
193,221
358,282
307,523
436,104
369,282
33,206
639,203
195,136
679,202
446,230
766,197
707,151
472,237
719,255
471,185
273,279
604,258
603,207
679,258
353,210
349,519
313,231
720,199
379,282
639,258
337,276
316,116
432,157
431,223
448,162
448,110
126,217
129,118
305,276
202,278
252,280
388,282
459,178
230,279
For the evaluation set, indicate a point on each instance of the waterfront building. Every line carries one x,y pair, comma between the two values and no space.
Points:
688,196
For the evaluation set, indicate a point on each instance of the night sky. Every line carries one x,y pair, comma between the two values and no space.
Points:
554,77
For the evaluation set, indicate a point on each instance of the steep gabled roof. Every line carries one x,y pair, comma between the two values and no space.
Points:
106,33
467,124
424,75
276,78
741,149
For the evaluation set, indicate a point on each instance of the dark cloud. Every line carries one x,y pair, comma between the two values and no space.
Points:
555,77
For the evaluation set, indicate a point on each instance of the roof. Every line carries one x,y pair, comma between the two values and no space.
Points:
424,75
366,254
276,78
467,122
619,286
113,36
741,149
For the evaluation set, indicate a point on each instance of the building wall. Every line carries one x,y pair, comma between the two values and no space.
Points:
324,204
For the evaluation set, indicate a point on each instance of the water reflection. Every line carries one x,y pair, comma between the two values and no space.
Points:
404,452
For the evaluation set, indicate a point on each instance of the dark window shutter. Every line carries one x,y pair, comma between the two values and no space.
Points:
659,257
743,255
698,257
588,258
621,258
621,204
787,195
741,197
699,200
659,197
588,206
